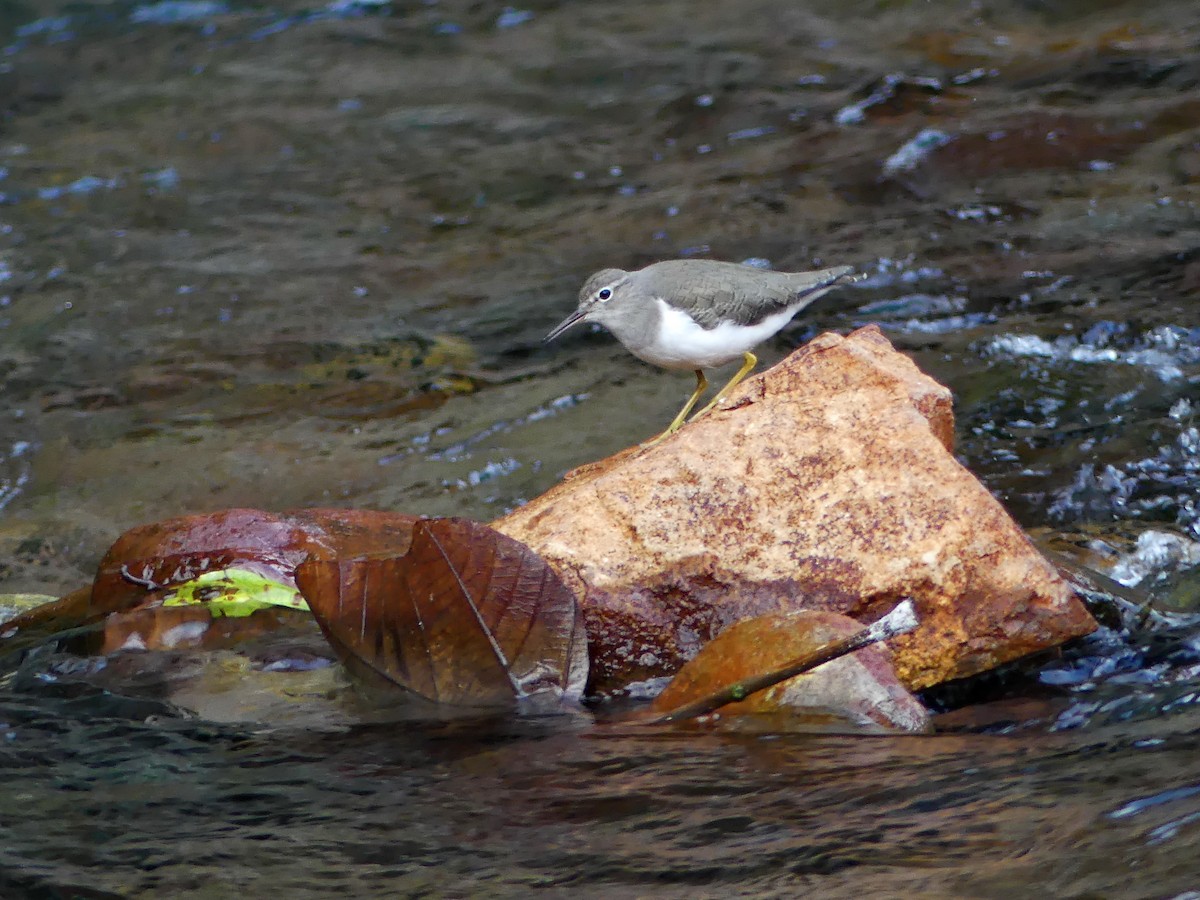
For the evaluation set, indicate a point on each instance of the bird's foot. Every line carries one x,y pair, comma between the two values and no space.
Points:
748,363
677,422
659,438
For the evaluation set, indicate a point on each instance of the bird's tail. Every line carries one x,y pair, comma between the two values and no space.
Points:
808,286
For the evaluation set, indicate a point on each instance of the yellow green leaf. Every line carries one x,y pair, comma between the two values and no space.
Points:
234,592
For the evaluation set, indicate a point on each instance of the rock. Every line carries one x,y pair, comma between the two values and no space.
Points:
826,483
860,690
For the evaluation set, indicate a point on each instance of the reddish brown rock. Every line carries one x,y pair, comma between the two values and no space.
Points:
826,483
861,689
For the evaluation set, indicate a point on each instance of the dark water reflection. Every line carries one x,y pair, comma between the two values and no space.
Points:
194,810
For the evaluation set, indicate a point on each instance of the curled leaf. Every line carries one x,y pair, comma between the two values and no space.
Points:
153,563
161,556
797,663
467,617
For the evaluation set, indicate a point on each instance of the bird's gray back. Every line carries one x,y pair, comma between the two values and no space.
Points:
711,291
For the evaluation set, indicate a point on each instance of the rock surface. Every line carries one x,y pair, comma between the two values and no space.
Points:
826,483
860,690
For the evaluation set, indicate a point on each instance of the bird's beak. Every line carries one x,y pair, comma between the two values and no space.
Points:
566,323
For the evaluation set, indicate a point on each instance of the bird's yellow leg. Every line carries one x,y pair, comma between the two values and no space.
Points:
677,423
750,362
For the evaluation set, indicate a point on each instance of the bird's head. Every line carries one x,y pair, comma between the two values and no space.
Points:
600,295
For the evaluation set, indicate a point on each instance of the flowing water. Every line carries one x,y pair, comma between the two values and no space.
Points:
305,255
124,809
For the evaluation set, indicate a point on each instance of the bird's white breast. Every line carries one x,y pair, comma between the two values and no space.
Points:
682,344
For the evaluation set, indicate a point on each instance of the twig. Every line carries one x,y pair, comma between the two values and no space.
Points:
900,620
133,579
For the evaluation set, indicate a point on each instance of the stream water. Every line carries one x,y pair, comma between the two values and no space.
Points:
305,255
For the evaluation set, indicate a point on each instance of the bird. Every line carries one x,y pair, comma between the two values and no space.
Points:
697,314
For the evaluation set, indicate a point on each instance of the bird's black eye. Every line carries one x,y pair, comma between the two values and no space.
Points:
603,294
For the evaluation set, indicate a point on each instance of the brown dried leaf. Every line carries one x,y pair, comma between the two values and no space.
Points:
174,550
146,561
354,532
158,555
861,688
193,628
467,617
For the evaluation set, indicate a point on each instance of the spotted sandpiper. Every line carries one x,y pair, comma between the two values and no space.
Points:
698,313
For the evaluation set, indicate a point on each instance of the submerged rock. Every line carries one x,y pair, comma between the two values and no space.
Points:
826,483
